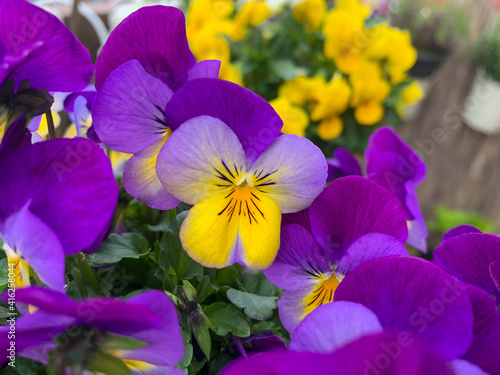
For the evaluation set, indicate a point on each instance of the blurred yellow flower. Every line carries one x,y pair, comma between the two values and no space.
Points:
253,13
332,99
230,73
43,129
369,91
310,12
355,7
210,42
409,95
295,119
201,12
301,89
330,128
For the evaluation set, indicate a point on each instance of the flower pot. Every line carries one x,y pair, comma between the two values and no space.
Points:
481,111
427,63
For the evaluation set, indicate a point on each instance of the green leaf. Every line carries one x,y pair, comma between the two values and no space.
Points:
173,255
204,288
188,356
118,247
256,307
109,341
189,290
266,325
107,364
227,318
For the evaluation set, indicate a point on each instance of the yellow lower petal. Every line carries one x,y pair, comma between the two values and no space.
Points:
330,128
21,271
239,224
322,293
138,365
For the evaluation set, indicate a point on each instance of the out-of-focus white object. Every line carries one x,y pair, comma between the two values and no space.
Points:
122,9
482,107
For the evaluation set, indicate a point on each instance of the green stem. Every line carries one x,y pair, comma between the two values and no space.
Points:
89,274
80,282
50,125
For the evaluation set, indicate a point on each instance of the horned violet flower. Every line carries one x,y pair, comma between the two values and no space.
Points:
140,335
58,199
145,60
353,220
239,184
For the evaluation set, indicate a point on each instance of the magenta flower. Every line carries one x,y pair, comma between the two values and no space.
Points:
58,199
149,317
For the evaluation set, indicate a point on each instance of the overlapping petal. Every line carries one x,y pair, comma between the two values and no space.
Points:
249,116
128,112
332,326
343,164
353,206
167,56
413,295
468,257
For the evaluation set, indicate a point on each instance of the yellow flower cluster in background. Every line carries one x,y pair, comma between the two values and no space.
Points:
370,62
210,23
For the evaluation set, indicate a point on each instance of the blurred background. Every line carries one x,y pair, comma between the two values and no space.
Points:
337,70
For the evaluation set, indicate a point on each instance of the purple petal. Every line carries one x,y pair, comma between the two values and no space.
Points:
141,181
253,120
298,258
485,346
417,229
414,295
128,110
165,344
344,164
37,244
457,231
50,56
353,206
71,187
16,136
115,315
293,186
301,218
468,258
281,363
189,164
156,36
31,331
461,367
89,94
292,307
205,69
369,246
495,273
47,300
332,326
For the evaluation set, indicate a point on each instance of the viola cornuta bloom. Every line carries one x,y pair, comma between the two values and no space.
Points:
238,192
353,220
149,317
342,164
144,61
58,199
36,46
392,164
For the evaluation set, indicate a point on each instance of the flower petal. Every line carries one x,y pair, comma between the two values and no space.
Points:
200,159
128,111
457,231
154,35
140,179
495,273
333,325
235,225
165,346
344,164
71,187
293,186
485,346
205,69
461,367
253,120
413,295
353,206
37,244
468,258
369,246
16,136
299,260
59,63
